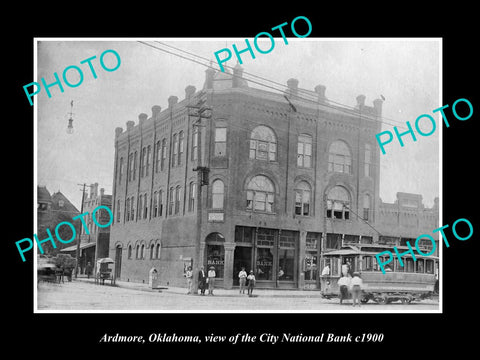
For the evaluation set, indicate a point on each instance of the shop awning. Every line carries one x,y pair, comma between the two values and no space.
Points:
82,246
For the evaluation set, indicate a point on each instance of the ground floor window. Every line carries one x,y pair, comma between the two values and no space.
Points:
216,258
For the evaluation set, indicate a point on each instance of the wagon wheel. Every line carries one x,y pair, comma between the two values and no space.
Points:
382,300
364,300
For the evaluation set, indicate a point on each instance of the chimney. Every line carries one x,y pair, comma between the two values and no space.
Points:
102,192
292,87
130,125
209,73
142,118
156,109
237,76
320,90
118,131
172,100
189,91
96,189
92,189
360,101
377,105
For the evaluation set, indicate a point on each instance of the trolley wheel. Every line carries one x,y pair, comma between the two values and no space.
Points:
382,300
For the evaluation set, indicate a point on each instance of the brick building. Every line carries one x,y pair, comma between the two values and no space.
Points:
287,174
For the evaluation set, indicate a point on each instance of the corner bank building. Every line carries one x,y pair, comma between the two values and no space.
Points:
234,176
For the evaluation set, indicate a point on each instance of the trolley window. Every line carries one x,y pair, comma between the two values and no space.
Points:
429,266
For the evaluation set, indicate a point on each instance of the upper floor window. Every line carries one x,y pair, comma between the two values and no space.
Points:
180,147
164,154
157,155
194,143
170,201
177,199
220,141
175,149
127,207
339,158
368,159
263,144
302,198
366,207
118,210
260,194
338,203
149,159
218,193
155,204
304,151
192,195
143,162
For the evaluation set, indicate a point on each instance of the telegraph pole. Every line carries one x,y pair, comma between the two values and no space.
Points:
79,238
202,179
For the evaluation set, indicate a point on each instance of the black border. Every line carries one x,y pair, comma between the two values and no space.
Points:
422,333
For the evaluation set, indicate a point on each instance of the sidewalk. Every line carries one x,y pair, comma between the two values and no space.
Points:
217,292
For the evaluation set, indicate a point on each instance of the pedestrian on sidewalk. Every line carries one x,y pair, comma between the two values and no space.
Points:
202,276
242,276
344,284
189,276
89,269
356,283
211,280
251,283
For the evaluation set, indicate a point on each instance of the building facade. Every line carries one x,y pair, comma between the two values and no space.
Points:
233,176
94,240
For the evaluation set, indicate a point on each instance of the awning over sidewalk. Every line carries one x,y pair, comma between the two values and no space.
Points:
82,246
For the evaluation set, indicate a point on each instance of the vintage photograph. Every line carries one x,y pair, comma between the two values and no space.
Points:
164,184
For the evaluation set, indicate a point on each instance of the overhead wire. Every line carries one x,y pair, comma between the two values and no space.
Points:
341,107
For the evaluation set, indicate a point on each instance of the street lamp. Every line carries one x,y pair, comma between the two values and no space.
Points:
70,120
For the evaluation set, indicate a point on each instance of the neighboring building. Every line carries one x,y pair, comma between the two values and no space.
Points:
52,210
94,241
286,175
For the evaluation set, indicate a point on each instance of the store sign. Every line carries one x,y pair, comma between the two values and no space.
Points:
216,216
215,262
264,263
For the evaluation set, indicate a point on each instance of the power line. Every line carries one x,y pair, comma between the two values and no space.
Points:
341,107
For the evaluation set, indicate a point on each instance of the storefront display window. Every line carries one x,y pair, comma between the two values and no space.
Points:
264,264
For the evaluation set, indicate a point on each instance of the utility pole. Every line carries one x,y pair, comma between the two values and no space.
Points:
79,238
202,179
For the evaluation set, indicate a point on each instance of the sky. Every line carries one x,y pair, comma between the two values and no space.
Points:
406,72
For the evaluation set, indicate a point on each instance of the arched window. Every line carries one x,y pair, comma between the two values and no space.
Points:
302,198
263,144
129,252
192,195
304,151
137,251
366,207
218,194
157,251
151,251
368,159
338,203
339,157
260,194
142,252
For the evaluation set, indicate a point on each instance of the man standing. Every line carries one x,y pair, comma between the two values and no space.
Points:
201,280
242,277
356,284
189,276
211,280
344,284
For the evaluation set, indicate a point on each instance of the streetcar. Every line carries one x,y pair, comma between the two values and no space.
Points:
415,280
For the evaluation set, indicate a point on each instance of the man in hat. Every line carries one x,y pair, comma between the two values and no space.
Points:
356,284
211,280
201,280
251,283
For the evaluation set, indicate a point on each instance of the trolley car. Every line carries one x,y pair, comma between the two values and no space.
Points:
415,280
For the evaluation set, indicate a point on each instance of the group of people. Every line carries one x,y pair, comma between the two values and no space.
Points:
353,284
248,280
207,279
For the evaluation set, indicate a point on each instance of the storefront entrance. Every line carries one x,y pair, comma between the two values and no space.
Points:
271,253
